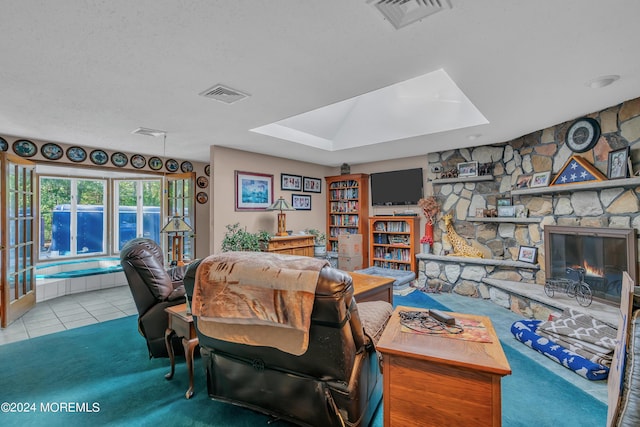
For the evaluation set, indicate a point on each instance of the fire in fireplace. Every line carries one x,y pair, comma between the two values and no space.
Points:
604,254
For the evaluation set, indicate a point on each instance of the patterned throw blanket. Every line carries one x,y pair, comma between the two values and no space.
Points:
583,335
257,298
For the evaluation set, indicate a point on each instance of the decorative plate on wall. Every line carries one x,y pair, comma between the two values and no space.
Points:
202,182
138,161
155,163
24,148
99,157
119,159
51,151
76,154
186,167
202,197
4,145
207,170
171,165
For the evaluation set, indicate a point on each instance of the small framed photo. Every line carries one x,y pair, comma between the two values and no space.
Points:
521,211
301,202
504,201
540,179
528,254
523,181
468,169
253,191
618,163
479,213
311,185
507,211
290,182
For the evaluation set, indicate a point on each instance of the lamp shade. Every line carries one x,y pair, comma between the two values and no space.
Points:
176,225
280,205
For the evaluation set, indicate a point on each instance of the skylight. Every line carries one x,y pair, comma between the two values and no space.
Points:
424,105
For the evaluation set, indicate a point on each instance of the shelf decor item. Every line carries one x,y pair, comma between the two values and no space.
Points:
618,163
577,169
468,169
430,209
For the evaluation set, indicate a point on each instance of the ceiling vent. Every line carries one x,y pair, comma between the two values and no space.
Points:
224,94
149,132
404,12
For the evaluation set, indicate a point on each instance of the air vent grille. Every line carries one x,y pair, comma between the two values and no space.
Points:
224,94
404,12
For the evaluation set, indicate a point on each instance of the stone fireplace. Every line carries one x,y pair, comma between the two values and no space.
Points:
604,254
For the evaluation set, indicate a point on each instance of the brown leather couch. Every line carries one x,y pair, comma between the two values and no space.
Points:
336,382
154,288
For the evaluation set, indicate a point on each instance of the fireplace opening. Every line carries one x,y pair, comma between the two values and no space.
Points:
604,254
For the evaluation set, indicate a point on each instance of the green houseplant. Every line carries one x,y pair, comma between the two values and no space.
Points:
239,239
319,241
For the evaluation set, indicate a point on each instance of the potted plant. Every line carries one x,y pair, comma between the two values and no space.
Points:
239,239
319,242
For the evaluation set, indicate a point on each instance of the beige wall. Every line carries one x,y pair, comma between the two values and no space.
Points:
225,161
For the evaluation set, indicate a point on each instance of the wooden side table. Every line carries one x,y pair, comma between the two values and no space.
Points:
181,325
435,381
372,288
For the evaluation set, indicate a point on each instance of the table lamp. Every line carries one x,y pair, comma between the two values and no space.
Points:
281,205
176,226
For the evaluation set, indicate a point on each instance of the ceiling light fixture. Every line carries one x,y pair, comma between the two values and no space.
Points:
149,132
602,81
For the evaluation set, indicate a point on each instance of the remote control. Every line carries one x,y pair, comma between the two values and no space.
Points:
442,317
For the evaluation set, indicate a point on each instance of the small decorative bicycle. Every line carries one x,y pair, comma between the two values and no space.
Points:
573,288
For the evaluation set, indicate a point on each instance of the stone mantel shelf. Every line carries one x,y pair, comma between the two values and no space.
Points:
462,179
583,186
504,219
478,261
604,312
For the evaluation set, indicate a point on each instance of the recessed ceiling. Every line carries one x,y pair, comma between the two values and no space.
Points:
88,73
423,105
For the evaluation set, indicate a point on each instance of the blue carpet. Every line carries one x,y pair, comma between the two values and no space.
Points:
105,368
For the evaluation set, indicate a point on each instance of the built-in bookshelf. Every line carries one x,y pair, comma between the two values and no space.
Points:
347,208
393,242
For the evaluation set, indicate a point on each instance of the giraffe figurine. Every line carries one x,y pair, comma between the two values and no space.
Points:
460,246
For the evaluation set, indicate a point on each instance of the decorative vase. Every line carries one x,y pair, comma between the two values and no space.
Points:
426,248
428,231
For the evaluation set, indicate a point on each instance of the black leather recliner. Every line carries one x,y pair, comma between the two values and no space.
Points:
336,382
154,288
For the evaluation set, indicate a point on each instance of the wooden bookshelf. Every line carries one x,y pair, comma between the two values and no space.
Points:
394,242
347,209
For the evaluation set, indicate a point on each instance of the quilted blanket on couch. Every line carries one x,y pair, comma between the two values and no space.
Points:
257,298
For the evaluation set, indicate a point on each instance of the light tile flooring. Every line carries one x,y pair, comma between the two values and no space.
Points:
69,312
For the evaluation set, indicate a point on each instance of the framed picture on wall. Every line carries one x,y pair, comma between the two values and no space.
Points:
253,191
290,182
540,179
301,202
618,163
311,185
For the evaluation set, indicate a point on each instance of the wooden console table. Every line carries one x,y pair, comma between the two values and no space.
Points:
437,381
181,325
292,245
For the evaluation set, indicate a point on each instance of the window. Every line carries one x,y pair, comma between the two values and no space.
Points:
72,217
138,204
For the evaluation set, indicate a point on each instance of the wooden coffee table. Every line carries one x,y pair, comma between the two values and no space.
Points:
438,381
181,325
372,288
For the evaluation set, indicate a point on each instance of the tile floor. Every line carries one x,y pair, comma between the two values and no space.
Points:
69,312
86,308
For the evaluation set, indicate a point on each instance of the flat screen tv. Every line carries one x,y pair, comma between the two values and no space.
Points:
401,187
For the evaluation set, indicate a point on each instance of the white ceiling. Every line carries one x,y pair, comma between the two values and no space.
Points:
90,72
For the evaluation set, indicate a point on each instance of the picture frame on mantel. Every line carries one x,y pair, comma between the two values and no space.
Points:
528,254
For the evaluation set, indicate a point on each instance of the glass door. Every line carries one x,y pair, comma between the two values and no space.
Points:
17,237
180,202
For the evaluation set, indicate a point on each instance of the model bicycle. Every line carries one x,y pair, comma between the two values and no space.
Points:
573,288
